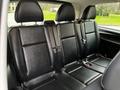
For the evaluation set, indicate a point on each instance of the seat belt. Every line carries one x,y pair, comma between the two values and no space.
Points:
57,38
59,54
54,41
83,30
84,41
50,42
78,37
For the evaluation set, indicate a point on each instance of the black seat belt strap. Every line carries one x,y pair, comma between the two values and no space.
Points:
82,26
50,43
59,54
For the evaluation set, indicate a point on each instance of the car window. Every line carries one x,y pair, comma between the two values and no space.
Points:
108,15
11,10
49,11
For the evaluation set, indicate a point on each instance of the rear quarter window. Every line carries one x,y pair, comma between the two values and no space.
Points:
108,15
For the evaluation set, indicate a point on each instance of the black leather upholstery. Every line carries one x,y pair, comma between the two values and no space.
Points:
83,74
49,56
94,86
110,80
35,53
89,13
12,80
101,61
71,50
65,13
28,11
29,47
33,61
91,38
69,42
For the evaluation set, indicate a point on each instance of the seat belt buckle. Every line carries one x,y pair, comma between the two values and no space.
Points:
54,50
57,48
84,41
87,64
52,74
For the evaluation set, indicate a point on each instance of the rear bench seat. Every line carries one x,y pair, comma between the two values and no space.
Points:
32,52
67,30
49,56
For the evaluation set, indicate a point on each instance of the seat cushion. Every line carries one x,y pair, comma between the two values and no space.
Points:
102,61
84,74
72,66
51,85
72,83
94,86
95,67
61,81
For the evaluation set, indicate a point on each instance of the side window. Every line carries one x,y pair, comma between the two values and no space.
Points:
11,11
108,15
49,11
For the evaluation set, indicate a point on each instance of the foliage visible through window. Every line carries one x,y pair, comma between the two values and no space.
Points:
49,11
108,14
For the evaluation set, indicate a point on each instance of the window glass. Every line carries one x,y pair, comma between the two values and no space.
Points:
108,14
49,11
11,11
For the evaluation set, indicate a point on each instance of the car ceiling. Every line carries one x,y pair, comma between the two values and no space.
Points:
90,1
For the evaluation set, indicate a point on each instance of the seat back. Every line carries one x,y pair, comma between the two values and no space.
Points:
29,46
90,31
67,31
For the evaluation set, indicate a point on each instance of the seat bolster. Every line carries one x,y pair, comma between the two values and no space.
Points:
16,50
39,80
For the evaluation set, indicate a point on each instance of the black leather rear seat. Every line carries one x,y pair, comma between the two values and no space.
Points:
90,36
69,41
49,56
33,56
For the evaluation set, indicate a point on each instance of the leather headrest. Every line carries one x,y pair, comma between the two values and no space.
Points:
111,78
89,13
66,13
28,11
